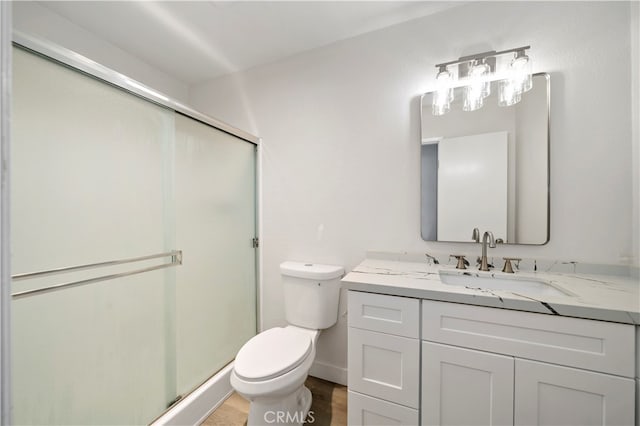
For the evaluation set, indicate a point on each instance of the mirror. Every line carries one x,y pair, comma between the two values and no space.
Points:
487,169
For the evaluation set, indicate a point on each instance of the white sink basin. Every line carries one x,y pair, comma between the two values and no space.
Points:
488,281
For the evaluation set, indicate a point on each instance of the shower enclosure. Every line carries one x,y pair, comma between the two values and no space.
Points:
133,244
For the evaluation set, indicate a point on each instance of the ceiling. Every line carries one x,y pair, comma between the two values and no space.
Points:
195,41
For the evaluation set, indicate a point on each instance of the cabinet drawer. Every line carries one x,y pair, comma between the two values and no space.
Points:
386,314
384,366
592,345
364,410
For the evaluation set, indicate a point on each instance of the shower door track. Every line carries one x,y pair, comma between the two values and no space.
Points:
176,259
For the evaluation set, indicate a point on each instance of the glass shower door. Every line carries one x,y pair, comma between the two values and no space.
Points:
215,225
90,171
101,175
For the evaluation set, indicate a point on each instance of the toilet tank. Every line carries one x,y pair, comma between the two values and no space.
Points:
311,293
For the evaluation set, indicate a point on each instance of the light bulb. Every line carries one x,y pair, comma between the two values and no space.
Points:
521,71
479,72
508,93
473,98
443,96
478,88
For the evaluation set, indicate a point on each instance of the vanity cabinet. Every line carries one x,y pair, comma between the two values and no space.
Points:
524,368
384,360
415,361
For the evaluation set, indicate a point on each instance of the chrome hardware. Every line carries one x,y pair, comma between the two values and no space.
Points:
174,401
176,259
87,66
462,262
484,266
508,268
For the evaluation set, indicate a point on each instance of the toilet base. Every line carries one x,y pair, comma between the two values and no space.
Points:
284,410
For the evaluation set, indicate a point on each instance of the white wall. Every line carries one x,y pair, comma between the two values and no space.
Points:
341,137
37,20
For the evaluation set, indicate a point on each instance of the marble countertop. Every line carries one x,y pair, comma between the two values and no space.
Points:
601,297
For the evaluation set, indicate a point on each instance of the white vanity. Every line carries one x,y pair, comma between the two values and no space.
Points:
425,352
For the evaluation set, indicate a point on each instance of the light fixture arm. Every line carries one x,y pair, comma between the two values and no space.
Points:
483,55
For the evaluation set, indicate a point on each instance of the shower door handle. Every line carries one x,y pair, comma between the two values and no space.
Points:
176,259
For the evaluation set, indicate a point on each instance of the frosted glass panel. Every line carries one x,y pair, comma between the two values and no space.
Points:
87,169
215,216
90,183
91,355
98,174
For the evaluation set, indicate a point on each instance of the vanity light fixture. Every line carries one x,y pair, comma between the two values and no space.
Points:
512,68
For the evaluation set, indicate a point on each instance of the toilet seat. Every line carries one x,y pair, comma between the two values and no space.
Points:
272,353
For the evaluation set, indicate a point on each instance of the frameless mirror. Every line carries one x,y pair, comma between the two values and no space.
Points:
487,169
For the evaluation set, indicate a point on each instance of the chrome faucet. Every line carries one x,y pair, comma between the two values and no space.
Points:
484,266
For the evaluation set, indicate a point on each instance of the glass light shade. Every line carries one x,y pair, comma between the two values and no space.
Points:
444,80
508,93
479,73
440,105
443,97
473,98
521,71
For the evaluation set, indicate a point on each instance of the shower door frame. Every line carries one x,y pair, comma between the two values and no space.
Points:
70,59
85,65
5,261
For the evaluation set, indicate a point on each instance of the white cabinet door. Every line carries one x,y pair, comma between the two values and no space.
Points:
368,411
465,387
384,366
552,395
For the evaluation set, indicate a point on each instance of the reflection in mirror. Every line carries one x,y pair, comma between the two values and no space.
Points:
487,169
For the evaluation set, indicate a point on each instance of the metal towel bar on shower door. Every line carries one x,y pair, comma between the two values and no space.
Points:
176,259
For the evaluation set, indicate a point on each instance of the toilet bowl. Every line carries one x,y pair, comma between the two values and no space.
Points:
270,371
271,368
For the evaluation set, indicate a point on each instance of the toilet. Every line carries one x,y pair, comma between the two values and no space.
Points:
271,368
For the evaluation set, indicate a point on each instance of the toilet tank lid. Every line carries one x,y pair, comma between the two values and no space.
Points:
313,271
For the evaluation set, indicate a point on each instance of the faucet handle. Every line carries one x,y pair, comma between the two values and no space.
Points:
508,268
462,262
431,260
